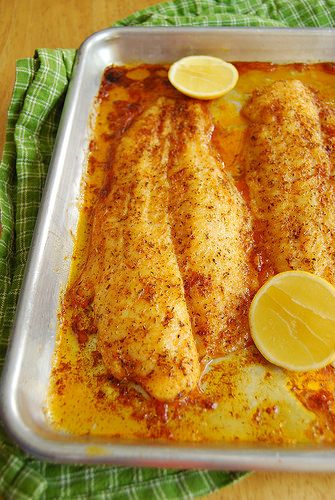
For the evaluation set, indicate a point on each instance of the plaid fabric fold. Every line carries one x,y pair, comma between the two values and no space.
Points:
18,480
33,117
276,13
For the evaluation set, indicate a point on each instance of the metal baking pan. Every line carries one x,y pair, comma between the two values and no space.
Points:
27,370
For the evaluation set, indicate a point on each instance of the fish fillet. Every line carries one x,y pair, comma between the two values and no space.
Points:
289,174
211,229
144,329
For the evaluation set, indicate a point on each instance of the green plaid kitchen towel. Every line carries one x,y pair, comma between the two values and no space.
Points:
33,117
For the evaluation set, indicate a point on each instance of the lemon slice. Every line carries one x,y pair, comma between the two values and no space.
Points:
203,77
292,321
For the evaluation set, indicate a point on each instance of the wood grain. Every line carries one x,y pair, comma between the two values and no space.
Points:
279,486
28,24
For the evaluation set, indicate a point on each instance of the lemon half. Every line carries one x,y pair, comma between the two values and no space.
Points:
203,77
292,321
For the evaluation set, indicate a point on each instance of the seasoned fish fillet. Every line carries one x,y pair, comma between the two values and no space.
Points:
144,329
211,228
327,119
288,171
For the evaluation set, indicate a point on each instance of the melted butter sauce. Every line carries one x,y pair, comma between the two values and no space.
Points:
241,397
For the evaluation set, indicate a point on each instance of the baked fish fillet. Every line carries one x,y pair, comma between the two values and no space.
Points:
289,174
144,329
211,228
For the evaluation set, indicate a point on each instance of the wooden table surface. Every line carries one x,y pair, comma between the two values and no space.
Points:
28,24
